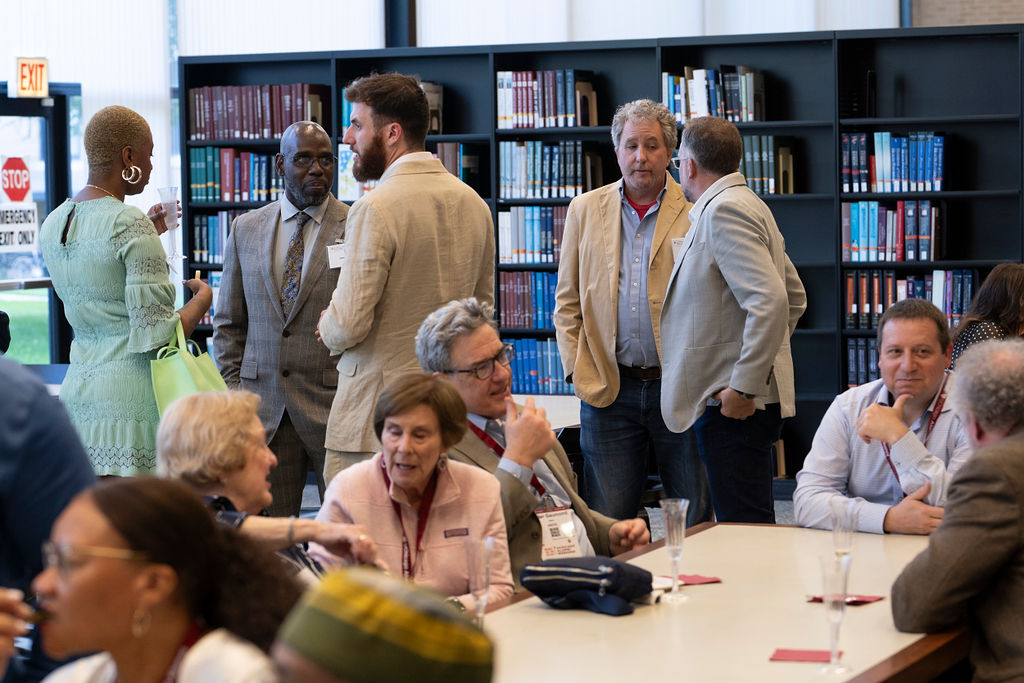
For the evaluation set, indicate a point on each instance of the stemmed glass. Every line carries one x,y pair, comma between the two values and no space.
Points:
479,554
843,513
835,570
169,202
675,531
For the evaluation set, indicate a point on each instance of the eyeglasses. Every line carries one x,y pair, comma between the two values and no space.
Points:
485,369
676,162
306,160
62,556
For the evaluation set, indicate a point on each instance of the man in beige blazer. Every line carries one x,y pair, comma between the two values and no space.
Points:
421,238
538,487
733,301
617,255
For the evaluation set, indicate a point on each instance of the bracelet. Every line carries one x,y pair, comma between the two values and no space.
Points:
291,530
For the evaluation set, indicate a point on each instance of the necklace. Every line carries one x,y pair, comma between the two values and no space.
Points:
97,187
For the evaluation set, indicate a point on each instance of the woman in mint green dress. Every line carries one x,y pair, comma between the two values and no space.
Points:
110,270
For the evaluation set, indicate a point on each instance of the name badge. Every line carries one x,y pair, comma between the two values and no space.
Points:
559,533
677,245
336,255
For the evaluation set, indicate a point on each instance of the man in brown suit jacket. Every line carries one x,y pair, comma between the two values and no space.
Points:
277,278
420,238
460,341
973,569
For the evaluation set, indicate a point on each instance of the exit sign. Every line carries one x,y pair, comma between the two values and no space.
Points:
32,77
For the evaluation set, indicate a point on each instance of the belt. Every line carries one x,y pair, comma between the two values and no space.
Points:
644,373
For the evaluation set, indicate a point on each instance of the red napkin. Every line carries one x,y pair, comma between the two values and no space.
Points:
784,655
695,579
852,600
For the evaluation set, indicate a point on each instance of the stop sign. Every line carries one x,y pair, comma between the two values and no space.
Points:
14,179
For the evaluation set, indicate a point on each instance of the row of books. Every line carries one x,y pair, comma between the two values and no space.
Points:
526,299
212,279
735,93
552,98
882,162
349,189
459,162
537,368
253,112
908,231
767,164
223,174
209,234
870,292
530,234
534,169
861,361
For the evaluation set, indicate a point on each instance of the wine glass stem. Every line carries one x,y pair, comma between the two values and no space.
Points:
675,576
834,633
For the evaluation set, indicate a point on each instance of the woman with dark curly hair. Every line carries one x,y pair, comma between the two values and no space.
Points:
137,570
110,270
996,312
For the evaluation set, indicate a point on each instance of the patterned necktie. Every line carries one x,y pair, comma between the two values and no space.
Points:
496,431
293,265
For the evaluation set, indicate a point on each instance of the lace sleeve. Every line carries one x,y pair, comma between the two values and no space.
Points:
148,293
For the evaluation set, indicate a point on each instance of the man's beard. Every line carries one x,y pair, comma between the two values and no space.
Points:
370,163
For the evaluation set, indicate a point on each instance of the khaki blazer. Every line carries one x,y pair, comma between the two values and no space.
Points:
733,301
519,503
253,342
418,240
586,298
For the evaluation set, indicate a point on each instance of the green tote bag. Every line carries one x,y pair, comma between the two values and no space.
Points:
179,370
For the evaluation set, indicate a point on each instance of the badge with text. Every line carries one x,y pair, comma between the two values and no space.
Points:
559,533
336,255
677,246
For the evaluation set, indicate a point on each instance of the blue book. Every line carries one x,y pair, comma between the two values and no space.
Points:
854,232
872,230
531,365
535,256
937,163
912,156
548,233
929,152
924,230
552,279
865,231
546,171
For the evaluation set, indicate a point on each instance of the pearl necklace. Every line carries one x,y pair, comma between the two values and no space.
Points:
97,187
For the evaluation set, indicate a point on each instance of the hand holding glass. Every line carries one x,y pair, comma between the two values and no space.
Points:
169,203
835,570
675,531
479,556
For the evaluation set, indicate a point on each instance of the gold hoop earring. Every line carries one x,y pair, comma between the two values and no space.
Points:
134,177
141,621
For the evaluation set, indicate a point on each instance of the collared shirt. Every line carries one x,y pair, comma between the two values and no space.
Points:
713,189
634,342
411,156
840,463
559,496
286,227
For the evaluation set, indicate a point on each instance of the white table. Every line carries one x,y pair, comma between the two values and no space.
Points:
728,631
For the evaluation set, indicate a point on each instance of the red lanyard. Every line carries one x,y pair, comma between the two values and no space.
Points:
421,521
932,419
192,636
496,447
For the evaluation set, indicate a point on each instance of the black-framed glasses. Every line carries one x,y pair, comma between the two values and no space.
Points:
61,556
306,160
485,369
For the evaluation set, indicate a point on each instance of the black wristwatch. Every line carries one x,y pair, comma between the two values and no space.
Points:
749,397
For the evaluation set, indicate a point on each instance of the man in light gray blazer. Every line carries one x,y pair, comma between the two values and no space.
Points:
733,301
973,568
278,277
420,238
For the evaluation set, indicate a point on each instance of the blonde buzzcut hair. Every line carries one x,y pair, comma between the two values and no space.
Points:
110,130
204,435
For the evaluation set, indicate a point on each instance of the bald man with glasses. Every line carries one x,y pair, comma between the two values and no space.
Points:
544,514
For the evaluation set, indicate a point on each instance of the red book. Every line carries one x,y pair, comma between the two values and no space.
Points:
900,236
227,174
235,93
245,181
276,129
266,113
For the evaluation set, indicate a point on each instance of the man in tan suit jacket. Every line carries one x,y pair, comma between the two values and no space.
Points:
460,341
617,255
421,238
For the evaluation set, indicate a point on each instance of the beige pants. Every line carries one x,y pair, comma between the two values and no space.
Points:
336,461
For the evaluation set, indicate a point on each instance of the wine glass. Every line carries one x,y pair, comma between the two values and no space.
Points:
675,530
835,570
843,513
169,202
479,555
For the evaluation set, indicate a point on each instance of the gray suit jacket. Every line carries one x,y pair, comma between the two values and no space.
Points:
732,303
418,240
973,568
519,503
254,345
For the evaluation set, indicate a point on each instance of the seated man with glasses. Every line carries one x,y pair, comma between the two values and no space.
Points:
543,512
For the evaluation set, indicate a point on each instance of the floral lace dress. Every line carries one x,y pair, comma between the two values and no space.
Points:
110,271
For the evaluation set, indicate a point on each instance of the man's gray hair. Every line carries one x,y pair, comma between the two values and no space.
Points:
645,110
439,331
990,384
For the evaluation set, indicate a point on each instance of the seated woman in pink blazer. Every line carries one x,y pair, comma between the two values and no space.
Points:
417,505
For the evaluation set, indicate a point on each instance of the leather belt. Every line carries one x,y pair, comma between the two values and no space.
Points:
644,374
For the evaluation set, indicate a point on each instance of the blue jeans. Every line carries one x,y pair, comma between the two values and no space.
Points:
738,458
617,443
